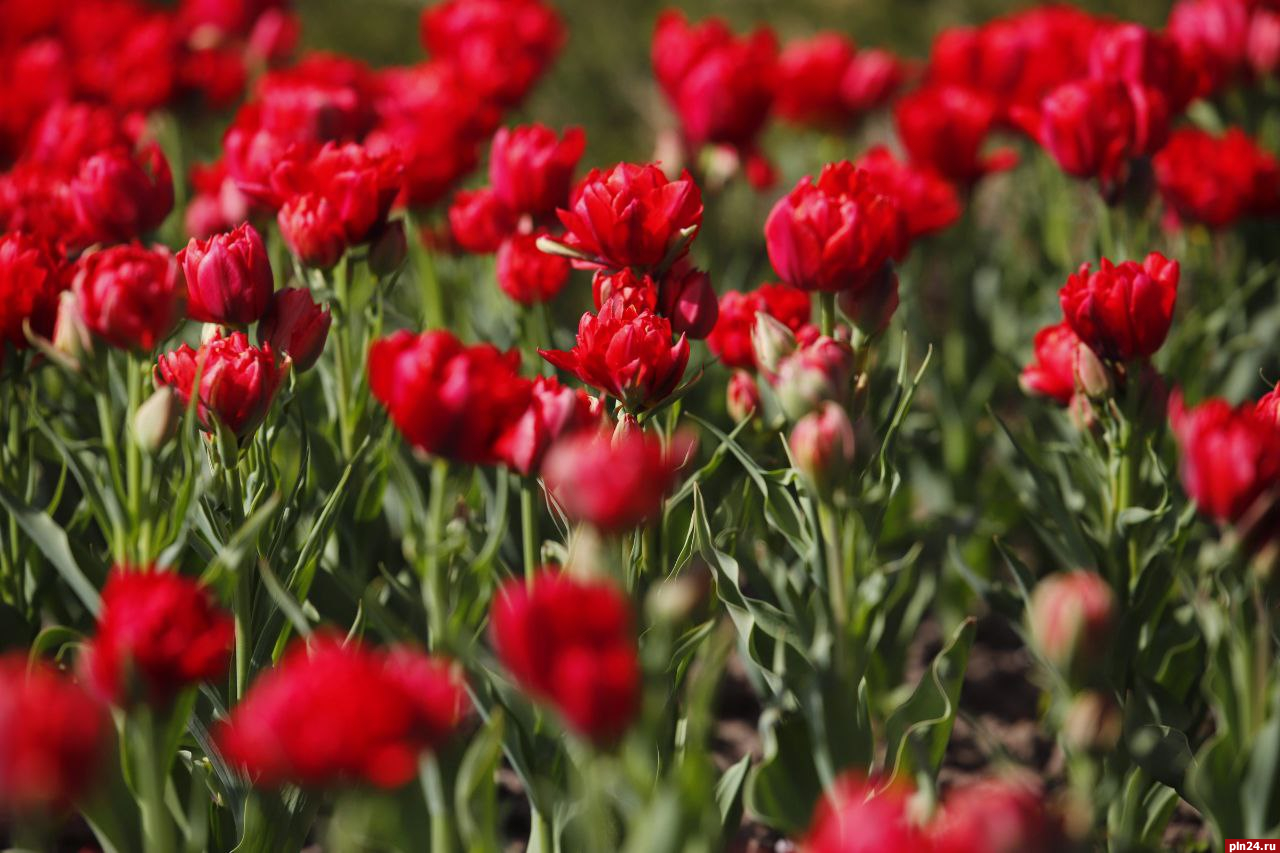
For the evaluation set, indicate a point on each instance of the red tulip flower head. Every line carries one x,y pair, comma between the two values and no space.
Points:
571,643
553,411
312,227
128,295
1063,365
927,201
995,815
822,445
1217,180
479,221
531,169
743,396
856,818
944,128
1122,311
294,325
687,298
119,196
730,340
229,278
526,273
30,287
238,381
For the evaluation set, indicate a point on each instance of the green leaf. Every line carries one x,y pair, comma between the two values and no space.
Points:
475,789
783,790
729,792
52,542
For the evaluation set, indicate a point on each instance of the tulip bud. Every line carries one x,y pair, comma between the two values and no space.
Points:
296,326
312,227
821,371
229,277
822,447
388,250
772,341
1091,374
871,308
1072,616
689,301
71,337
674,601
156,421
1093,723
744,396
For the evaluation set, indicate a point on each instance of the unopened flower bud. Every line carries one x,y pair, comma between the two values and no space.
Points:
871,308
388,250
71,337
822,446
1072,617
772,341
674,601
1092,376
1093,723
821,371
156,421
689,301
744,396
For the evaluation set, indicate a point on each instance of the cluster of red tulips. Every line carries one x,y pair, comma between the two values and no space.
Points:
323,524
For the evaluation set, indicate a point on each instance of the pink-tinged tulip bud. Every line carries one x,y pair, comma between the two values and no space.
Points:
531,169
822,447
479,221
54,737
1122,311
814,374
640,291
688,300
864,816
30,285
128,295
119,197
526,273
1093,723
744,396
296,326
1072,617
771,341
615,483
238,382
71,337
156,422
995,815
388,249
1091,375
626,353
834,234
229,278
312,227
571,643
870,310
553,411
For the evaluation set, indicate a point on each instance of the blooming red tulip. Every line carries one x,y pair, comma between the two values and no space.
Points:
626,353
995,815
1122,311
639,290
312,227
871,80
71,132
857,818
810,77
1213,37
1071,618
29,290
944,127
928,202
128,295
1054,372
1217,180
687,299
743,397
480,221
296,326
238,382
1133,54
119,197
614,483
731,341
158,634
571,643
447,399
53,739
833,234
229,278
342,714
553,411
359,184
526,273
531,169
632,216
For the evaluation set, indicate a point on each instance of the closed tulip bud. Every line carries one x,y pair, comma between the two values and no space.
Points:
388,250
871,309
811,375
156,421
1093,723
71,337
229,277
822,446
312,227
296,326
744,396
772,341
1072,617
688,300
1091,375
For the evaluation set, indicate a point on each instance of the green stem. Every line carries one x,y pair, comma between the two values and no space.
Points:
540,838
133,455
529,526
107,426
432,781
342,359
157,827
243,611
432,298
829,523
827,312
433,586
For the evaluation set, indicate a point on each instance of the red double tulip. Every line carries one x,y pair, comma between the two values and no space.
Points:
526,273
53,739
553,411
871,80
294,325
571,643
614,483
824,81
1213,37
632,216
30,285
857,816
229,278
480,221
1072,617
119,196
531,168
928,202
238,382
730,340
312,227
1133,54
944,127
158,634
834,234
359,185
627,353
995,815
1217,180
637,289
128,295
1122,311
333,713
447,399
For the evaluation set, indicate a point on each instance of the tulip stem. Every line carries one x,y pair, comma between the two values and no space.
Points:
827,313
827,520
529,526
433,791
107,426
540,837
244,585
133,454
433,582
157,828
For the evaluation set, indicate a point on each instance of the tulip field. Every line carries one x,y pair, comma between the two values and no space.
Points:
678,426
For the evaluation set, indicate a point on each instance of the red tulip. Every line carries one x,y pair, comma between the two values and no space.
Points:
128,295
614,483
29,290
553,411
743,399
158,634
995,815
810,78
1123,311
229,279
447,399
296,326
53,739
342,714
312,227
1071,618
359,185
71,132
687,298
632,216
1213,37
833,234
944,128
822,446
479,221
626,353
526,273
1217,180
531,169
855,817
871,310
871,80
119,197
927,201
1055,373
730,340
571,644
1268,407
640,291
238,382
1133,54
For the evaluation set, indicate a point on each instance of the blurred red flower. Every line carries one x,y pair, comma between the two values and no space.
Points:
30,283
531,168
1217,180
296,326
855,817
526,273
128,295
